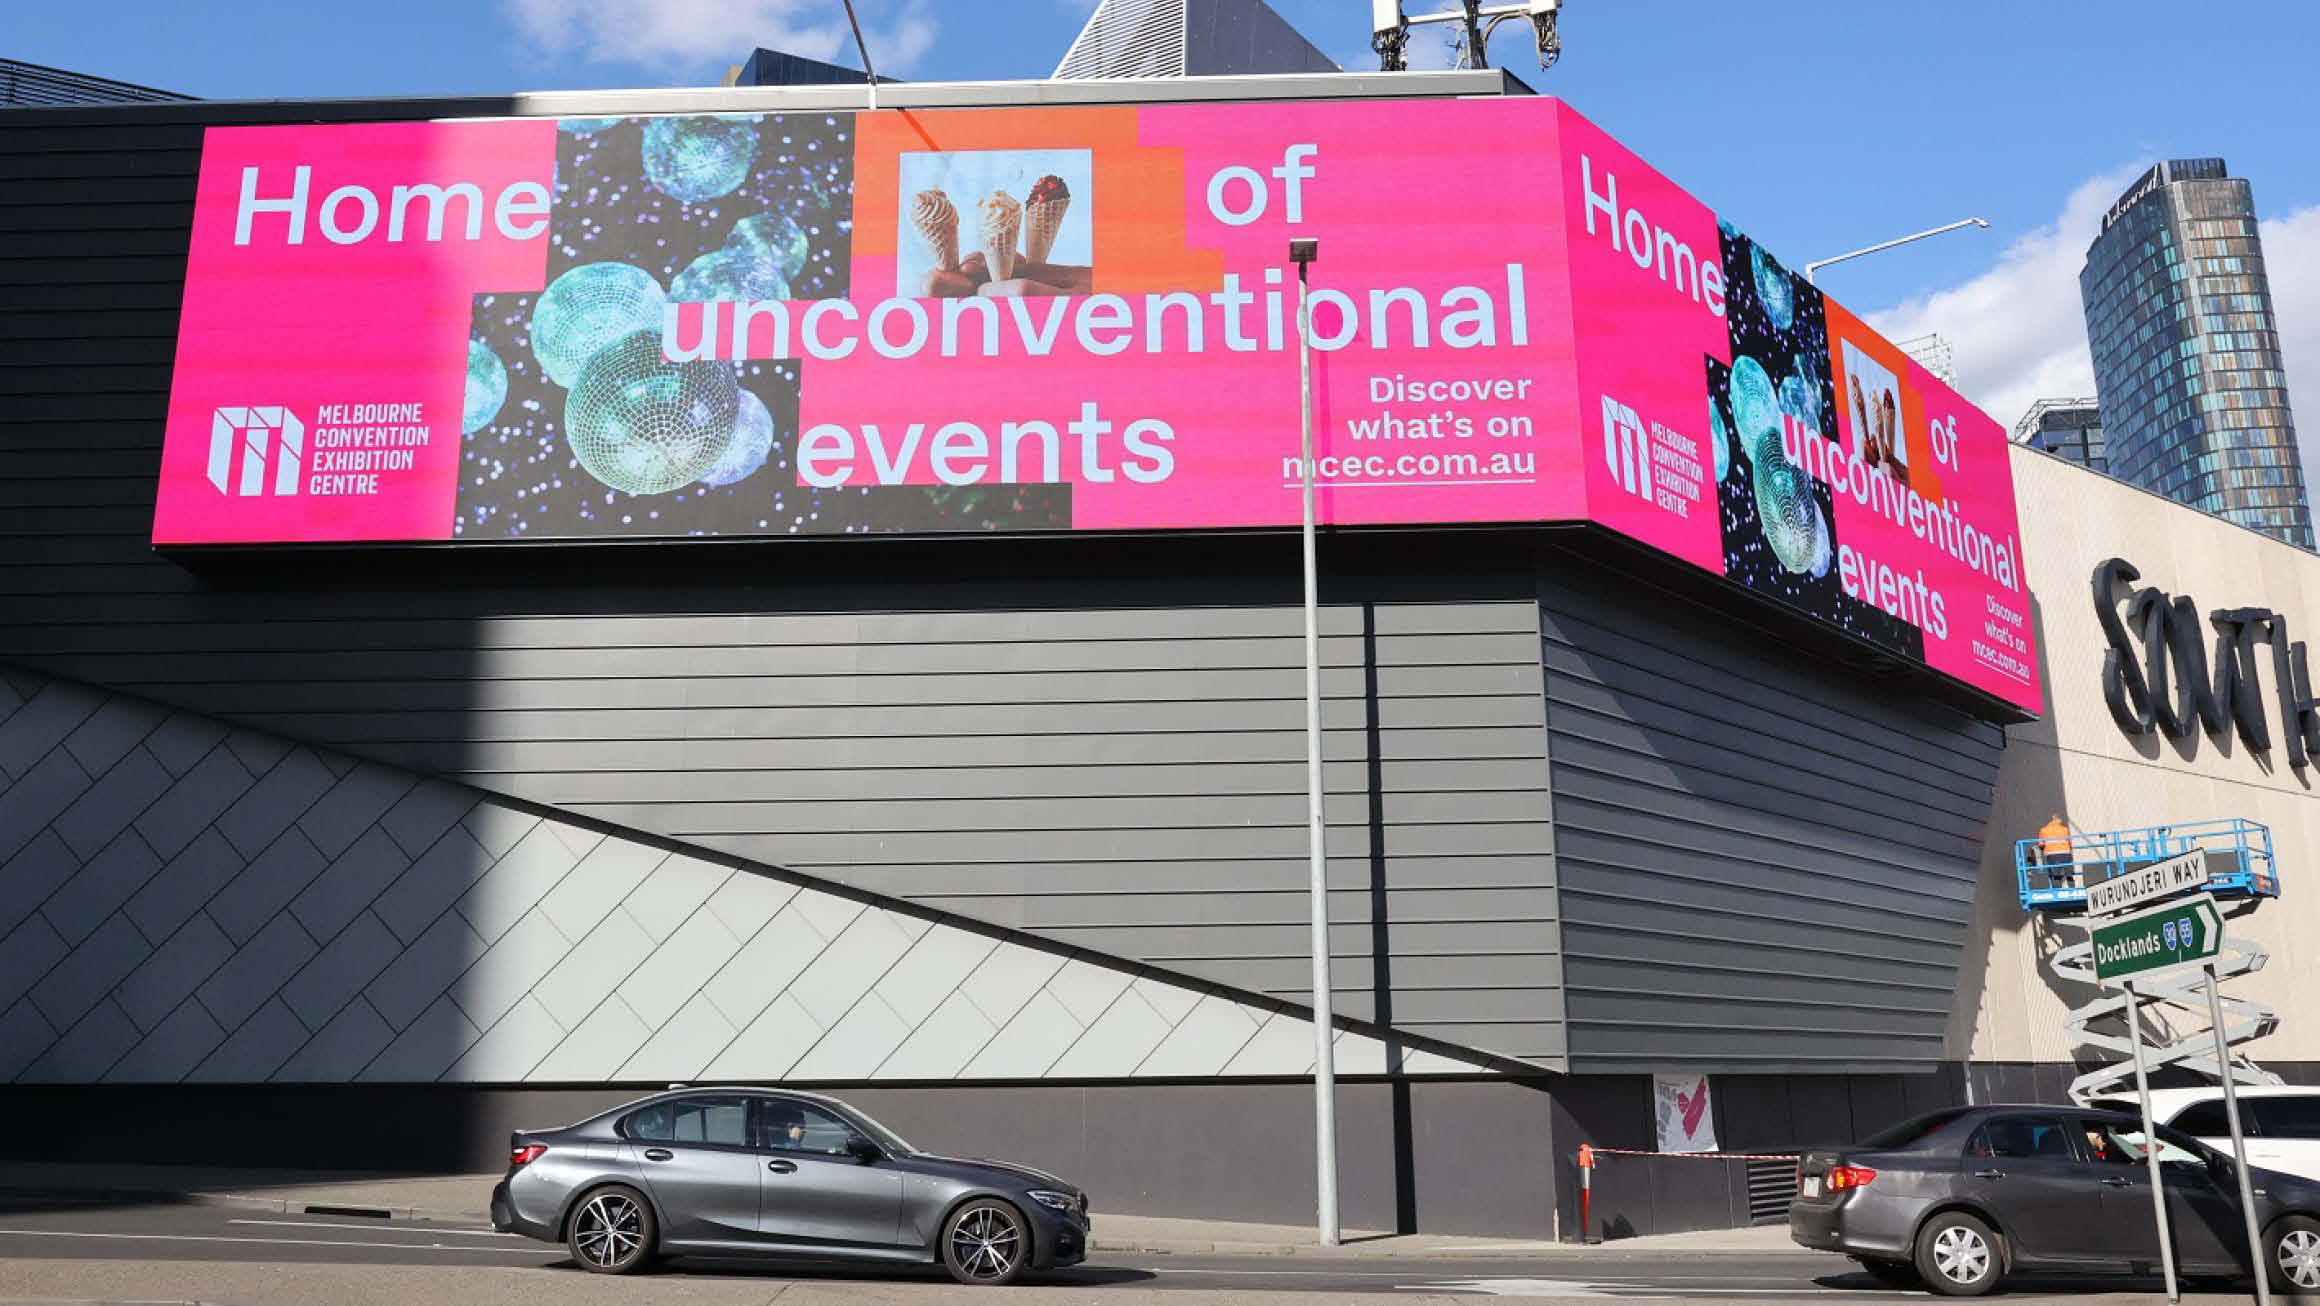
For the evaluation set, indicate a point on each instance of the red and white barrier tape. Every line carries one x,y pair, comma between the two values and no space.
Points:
1697,1156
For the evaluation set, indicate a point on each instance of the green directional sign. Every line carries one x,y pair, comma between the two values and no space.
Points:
2186,930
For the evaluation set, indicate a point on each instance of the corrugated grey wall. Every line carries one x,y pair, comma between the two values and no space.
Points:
1765,863
1099,744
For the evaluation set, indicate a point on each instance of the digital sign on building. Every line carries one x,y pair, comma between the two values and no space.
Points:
1073,319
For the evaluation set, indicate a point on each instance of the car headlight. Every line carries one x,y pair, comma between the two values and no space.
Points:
1054,1201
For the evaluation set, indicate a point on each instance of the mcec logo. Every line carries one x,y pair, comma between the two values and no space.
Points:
262,435
1626,448
1651,462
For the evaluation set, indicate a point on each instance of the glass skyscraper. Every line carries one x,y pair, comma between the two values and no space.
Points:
2187,353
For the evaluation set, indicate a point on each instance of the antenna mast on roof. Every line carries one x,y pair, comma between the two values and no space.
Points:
1390,30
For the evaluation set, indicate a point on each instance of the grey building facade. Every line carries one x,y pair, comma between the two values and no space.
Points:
28,84
1003,839
2070,429
2187,350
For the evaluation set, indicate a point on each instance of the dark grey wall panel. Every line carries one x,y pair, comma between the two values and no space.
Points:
1453,1157
1764,862
1099,741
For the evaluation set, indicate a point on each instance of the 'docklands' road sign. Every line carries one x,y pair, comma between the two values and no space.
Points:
2186,930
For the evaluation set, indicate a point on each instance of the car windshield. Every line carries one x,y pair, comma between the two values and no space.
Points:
880,1134
2123,1141
1911,1130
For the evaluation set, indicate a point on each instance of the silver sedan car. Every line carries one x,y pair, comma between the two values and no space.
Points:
759,1171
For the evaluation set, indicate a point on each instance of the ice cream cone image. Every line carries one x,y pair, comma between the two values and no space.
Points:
1043,217
937,223
999,218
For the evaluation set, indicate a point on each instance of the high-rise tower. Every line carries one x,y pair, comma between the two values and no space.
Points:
2187,353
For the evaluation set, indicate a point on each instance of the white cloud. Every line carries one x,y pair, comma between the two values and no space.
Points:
2018,330
685,35
2292,264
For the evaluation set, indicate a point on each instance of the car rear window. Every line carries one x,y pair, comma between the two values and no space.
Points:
2021,1136
2203,1120
719,1120
1911,1130
2285,1117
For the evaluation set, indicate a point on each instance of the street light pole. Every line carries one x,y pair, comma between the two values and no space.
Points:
1818,264
1302,253
869,74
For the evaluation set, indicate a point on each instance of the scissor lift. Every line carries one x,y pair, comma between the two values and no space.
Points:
2240,874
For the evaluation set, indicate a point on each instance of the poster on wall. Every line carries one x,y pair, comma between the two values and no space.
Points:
1680,1106
1058,320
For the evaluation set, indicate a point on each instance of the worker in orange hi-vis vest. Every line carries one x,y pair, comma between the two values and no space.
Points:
2054,851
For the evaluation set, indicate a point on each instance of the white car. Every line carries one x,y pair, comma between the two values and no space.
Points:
2281,1123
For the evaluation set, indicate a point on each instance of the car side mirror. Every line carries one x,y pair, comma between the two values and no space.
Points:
863,1150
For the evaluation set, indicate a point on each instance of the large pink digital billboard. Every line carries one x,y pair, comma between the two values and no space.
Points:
1058,320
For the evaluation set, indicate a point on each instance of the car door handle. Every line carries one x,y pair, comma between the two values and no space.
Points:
1989,1174
658,1154
2115,1181
782,1167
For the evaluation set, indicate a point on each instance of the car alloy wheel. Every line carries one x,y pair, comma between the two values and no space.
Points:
987,1242
2296,1255
611,1232
1958,1255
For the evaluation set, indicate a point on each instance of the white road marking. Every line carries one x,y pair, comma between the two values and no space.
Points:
1182,1271
1512,1287
1641,1289
222,1238
380,1227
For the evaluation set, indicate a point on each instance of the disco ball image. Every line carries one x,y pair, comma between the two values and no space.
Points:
1774,289
1798,398
588,308
585,126
699,158
746,452
777,240
487,384
728,274
644,425
1720,431
1791,519
1755,409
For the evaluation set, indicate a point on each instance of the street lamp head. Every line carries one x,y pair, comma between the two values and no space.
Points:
1304,251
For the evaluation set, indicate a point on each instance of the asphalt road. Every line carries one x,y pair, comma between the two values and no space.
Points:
168,1239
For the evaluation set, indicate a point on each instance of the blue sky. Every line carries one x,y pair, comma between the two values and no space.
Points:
1817,125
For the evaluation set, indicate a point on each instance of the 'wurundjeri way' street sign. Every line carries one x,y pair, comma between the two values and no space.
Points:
2144,883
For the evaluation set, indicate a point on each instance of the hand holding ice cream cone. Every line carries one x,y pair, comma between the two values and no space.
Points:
1043,217
998,220
937,223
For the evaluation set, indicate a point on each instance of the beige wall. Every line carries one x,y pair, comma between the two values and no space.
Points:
2077,760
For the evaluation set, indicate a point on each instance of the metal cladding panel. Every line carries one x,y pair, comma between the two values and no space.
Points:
324,920
1098,743
1764,863
1224,37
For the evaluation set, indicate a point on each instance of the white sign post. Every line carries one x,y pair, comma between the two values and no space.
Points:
2247,1197
2148,883
2151,1143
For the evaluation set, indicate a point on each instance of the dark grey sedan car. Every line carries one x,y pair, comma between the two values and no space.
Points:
760,1171
1956,1199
